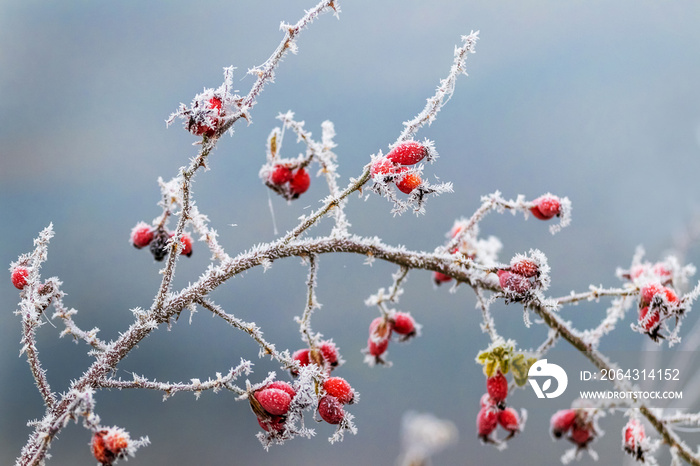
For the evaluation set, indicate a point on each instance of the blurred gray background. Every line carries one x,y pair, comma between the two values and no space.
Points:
596,100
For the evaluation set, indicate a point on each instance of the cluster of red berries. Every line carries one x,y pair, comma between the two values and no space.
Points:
494,411
645,272
338,391
633,436
109,445
19,275
381,329
394,166
287,182
325,356
546,207
271,404
205,117
157,240
576,424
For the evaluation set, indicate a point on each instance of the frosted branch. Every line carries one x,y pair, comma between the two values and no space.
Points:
196,386
266,349
444,91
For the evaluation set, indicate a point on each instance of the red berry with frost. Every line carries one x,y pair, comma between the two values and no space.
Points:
633,436
497,387
186,244
273,400
562,421
284,386
19,277
339,388
384,168
377,348
457,229
407,182
513,282
439,278
671,295
141,235
404,324
525,267
302,356
280,175
109,445
580,435
638,270
546,207
300,182
651,322
331,409
486,421
329,352
650,290
275,423
207,122
660,270
509,420
408,153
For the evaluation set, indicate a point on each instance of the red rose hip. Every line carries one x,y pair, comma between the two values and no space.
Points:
408,153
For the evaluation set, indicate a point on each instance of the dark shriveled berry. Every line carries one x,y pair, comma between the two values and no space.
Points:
159,244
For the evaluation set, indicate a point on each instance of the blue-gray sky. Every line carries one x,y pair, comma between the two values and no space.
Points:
597,101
